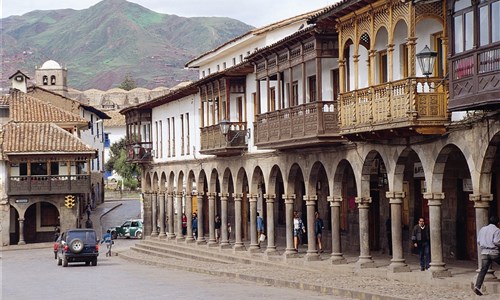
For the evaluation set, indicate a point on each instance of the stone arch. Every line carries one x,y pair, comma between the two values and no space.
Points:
277,187
171,182
241,181
155,182
297,187
400,62
257,180
147,182
227,178
163,182
491,155
191,182
180,182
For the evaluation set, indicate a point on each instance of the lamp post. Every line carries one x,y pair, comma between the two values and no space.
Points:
136,149
426,59
224,127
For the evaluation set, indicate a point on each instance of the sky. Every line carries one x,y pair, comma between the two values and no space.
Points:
257,13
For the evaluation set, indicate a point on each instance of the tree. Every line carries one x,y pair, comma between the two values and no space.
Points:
128,83
118,162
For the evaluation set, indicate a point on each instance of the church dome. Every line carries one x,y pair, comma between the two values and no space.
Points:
51,64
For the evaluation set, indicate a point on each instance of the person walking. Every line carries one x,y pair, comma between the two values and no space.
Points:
218,224
260,228
298,229
421,241
488,240
194,226
318,230
107,238
184,224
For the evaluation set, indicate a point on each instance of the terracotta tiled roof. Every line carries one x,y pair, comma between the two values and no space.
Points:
24,108
4,100
40,138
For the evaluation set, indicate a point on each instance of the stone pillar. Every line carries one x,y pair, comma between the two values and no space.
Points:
398,263
238,244
211,220
337,257
170,214
481,206
365,259
178,199
290,250
201,232
154,215
312,251
254,245
161,198
271,243
437,267
224,240
21,232
189,215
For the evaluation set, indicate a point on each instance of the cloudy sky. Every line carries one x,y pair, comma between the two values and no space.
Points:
254,12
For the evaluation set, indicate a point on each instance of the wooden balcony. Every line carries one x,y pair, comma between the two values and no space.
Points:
306,125
45,184
407,107
140,152
213,142
475,79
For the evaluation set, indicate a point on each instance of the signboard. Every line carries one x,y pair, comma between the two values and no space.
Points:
21,200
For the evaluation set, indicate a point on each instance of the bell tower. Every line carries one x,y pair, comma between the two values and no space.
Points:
51,76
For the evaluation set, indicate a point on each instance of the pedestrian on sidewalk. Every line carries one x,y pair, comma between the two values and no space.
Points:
488,240
88,210
107,238
194,225
260,229
218,224
298,229
318,230
184,224
421,241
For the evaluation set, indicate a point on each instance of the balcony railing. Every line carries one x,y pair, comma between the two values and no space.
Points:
304,125
475,79
49,184
412,103
215,143
140,152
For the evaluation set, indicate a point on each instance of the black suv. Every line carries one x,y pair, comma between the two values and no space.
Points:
78,245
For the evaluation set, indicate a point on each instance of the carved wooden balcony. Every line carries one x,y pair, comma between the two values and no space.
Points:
233,143
45,184
306,125
406,107
140,152
475,79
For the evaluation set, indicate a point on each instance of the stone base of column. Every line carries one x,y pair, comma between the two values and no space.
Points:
254,249
190,240
271,251
212,244
239,248
21,243
162,236
201,242
365,263
290,253
398,266
338,259
312,256
225,246
154,234
439,271
170,236
180,239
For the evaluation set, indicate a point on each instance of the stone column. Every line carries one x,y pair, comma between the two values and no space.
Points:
161,198
238,244
312,251
398,263
290,250
154,216
224,240
170,214
337,256
271,243
21,232
481,206
211,220
437,267
178,199
201,232
254,246
189,215
365,259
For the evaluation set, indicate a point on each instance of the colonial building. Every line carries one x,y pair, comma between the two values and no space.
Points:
365,111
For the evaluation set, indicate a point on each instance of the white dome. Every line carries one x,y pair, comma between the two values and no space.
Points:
51,64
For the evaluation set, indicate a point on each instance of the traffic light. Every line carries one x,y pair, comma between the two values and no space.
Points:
69,201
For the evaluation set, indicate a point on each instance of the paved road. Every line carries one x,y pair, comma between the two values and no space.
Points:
34,274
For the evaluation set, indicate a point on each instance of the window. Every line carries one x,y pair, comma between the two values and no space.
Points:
241,57
404,60
489,22
45,80
107,142
53,80
234,61
438,47
187,134
256,104
168,138
218,68
312,88
463,26
295,93
239,109
335,83
272,99
156,139
160,150
173,136
182,134
382,66
224,65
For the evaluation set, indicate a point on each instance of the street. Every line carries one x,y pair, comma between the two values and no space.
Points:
34,274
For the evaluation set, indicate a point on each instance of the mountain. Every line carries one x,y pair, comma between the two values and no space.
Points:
102,44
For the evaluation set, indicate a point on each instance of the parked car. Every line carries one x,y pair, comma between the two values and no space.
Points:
130,228
78,245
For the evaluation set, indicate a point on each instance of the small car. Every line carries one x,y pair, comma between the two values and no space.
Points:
78,245
130,228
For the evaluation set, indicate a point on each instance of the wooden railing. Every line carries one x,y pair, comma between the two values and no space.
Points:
214,142
287,126
45,184
408,102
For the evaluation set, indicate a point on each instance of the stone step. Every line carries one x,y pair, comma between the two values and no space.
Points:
153,249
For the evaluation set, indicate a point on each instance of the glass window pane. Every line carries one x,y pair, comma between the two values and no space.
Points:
461,4
484,28
459,41
469,30
495,22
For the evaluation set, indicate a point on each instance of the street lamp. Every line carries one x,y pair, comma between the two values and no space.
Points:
136,149
426,59
224,127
